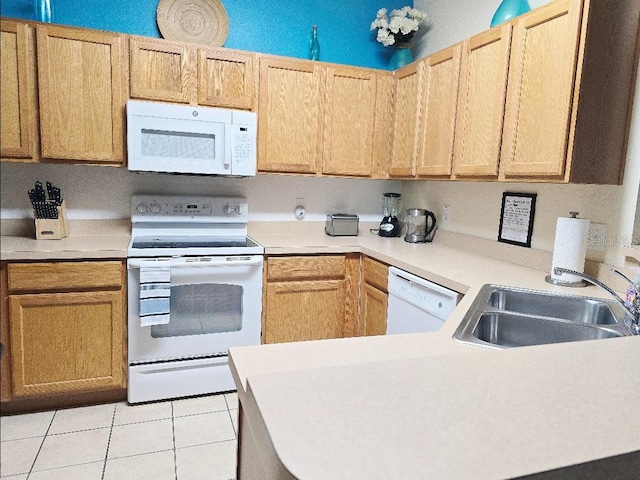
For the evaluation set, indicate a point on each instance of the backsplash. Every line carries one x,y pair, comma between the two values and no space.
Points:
475,209
99,192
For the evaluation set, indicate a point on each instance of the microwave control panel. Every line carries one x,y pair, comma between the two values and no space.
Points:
243,145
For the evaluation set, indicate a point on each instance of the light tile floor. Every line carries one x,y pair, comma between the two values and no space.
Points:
187,439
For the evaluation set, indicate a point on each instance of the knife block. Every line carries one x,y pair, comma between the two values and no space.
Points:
53,228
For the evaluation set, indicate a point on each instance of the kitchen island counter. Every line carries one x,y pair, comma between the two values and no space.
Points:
481,415
426,406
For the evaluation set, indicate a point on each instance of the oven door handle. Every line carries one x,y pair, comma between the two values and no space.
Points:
215,262
205,262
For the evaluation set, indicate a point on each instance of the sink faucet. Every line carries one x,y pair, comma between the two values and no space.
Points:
633,311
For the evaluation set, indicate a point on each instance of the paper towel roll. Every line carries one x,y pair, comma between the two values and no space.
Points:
570,247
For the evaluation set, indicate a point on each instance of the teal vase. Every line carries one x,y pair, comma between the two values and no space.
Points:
509,9
401,56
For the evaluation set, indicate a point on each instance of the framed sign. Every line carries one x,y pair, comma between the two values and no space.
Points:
516,218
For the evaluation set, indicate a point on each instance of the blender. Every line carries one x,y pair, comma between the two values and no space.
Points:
391,205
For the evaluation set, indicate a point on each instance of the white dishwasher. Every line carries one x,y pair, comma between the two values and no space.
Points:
417,305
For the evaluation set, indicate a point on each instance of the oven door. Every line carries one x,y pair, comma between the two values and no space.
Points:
215,303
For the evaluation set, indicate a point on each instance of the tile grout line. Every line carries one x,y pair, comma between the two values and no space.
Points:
175,453
33,464
106,454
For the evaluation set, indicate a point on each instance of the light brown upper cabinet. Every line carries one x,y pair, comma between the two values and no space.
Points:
543,62
570,90
438,112
185,73
18,117
226,78
382,124
319,118
481,99
404,130
162,70
349,121
290,113
82,90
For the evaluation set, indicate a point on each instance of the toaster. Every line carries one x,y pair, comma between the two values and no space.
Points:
341,224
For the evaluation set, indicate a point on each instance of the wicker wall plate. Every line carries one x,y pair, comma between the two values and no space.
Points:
198,21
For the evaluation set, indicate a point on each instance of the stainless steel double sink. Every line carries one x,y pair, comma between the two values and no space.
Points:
504,317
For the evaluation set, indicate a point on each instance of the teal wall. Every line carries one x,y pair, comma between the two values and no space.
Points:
267,26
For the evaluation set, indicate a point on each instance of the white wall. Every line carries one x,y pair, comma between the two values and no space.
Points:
475,206
97,192
452,21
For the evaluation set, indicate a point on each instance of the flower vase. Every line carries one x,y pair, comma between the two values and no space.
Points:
509,9
401,55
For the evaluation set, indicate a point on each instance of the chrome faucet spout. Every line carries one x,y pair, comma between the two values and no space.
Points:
633,311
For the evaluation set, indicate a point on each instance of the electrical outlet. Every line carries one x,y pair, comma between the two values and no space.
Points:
299,202
446,213
596,237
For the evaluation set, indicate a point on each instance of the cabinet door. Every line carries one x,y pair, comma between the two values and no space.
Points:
67,342
310,297
306,310
289,127
18,128
5,358
404,130
82,87
226,78
481,97
540,91
382,124
349,121
441,76
162,70
374,310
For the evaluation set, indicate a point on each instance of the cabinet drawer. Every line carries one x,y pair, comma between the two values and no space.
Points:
375,273
297,268
62,276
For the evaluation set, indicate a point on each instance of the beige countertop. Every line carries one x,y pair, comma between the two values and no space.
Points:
88,239
426,406
420,405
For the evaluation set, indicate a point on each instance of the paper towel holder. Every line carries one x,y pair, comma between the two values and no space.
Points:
555,281
561,283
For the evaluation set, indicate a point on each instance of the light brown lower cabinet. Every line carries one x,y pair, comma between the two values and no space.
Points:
65,329
310,297
374,297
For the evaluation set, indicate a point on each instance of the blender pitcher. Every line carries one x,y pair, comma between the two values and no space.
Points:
391,205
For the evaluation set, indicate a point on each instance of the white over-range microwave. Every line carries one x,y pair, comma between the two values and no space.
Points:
164,137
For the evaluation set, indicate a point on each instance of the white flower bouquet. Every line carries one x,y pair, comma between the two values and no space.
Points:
399,26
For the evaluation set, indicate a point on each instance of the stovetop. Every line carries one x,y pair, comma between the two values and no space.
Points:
193,242
175,225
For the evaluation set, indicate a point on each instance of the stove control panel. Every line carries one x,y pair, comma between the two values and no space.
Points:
168,208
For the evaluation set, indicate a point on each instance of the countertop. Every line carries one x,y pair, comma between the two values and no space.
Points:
420,405
88,239
426,406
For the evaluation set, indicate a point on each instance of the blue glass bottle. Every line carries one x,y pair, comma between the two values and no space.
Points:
314,45
43,10
509,9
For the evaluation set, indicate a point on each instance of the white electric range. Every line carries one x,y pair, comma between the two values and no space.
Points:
194,290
